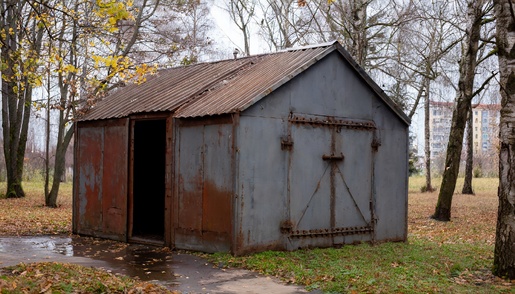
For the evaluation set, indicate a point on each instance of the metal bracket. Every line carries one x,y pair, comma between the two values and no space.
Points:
286,143
333,157
332,232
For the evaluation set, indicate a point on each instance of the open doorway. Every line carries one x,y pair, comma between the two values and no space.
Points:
148,203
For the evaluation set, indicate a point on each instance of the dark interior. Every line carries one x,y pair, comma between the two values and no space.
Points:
149,179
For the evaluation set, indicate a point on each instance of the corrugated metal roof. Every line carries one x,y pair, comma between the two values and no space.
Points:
222,87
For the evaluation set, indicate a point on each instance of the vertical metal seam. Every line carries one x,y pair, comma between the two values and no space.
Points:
289,155
130,204
236,198
373,190
332,188
169,184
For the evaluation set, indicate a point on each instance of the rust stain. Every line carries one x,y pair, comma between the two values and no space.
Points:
114,184
216,209
190,203
90,165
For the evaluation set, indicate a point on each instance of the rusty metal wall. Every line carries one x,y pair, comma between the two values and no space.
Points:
100,195
204,185
320,161
334,180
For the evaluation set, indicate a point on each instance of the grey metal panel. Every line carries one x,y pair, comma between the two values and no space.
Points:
310,177
262,186
391,178
205,188
330,182
190,176
326,89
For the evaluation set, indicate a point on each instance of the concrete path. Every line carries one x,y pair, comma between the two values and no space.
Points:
177,271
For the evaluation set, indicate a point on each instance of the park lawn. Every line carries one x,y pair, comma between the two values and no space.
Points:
452,257
29,216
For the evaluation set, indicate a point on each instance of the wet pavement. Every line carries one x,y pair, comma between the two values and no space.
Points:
175,270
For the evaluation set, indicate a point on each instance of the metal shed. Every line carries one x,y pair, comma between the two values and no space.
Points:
287,150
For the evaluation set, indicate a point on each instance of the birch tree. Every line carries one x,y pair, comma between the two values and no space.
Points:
504,255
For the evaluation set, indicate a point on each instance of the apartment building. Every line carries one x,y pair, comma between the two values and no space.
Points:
486,118
485,125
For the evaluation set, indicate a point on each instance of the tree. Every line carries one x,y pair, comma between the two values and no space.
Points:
241,13
21,33
504,255
476,11
283,24
90,58
174,33
427,42
467,183
100,46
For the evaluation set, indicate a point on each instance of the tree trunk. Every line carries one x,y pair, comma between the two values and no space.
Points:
468,64
467,184
47,137
504,255
427,136
63,141
16,85
358,11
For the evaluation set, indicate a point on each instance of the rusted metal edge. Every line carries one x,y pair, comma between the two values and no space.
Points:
332,232
331,121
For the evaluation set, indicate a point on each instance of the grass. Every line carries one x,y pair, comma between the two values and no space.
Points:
452,257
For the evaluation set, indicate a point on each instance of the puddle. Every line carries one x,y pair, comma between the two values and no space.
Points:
146,262
182,272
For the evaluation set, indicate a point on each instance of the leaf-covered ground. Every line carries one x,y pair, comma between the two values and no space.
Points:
48,277
29,216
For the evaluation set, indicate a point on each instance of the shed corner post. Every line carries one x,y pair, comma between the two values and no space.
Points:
75,191
170,194
237,201
406,185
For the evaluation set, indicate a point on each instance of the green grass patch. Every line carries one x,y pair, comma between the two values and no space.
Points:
419,266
